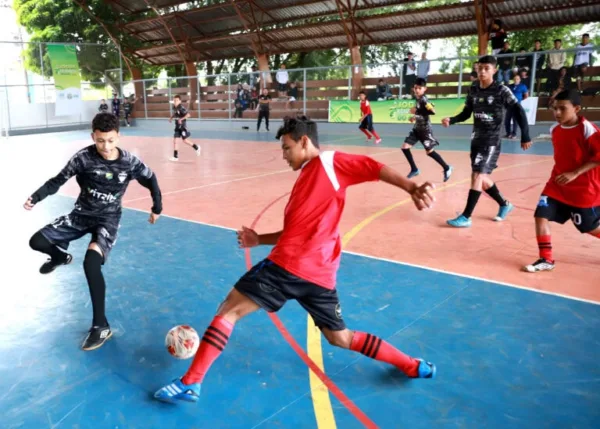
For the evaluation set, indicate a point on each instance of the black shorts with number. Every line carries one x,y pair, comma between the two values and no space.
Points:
367,123
72,227
585,220
484,159
423,135
181,132
270,286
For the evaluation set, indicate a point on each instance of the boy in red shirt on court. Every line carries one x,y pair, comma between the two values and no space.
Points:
366,120
304,262
573,191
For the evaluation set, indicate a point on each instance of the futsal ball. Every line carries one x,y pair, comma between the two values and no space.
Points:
182,341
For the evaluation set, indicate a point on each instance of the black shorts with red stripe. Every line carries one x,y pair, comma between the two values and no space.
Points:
270,286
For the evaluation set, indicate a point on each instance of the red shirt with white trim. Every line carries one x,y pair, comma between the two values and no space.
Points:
365,107
573,147
310,246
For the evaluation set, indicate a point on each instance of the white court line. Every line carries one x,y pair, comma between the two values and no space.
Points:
423,267
225,182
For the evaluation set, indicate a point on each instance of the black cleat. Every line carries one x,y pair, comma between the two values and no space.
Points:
51,265
96,337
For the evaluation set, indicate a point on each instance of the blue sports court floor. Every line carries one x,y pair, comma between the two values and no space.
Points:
506,356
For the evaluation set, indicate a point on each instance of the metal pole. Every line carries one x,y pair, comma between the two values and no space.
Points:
198,93
145,100
169,92
229,95
532,77
304,93
349,82
460,78
401,79
120,73
43,86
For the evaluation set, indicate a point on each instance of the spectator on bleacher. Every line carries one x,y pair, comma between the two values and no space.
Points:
423,67
103,106
556,61
583,58
539,60
520,92
473,75
525,78
253,98
292,95
505,64
409,75
383,91
282,77
523,61
497,36
253,77
564,83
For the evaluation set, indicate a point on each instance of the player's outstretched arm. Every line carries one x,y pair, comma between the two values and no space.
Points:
52,186
249,238
151,183
462,116
422,195
563,179
521,119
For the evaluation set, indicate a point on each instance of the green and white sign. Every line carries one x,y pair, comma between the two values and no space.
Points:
67,80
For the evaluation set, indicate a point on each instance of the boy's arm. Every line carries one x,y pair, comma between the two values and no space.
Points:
594,162
462,116
146,177
249,238
53,185
422,195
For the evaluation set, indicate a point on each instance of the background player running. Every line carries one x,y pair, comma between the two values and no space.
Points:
180,114
422,131
488,101
103,172
366,120
573,191
304,262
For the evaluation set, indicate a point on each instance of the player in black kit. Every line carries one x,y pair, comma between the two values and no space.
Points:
488,101
103,172
422,131
180,114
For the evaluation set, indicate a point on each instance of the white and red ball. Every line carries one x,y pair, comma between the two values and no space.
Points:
182,341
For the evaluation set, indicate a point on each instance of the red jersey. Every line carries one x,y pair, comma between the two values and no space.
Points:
365,107
310,245
573,147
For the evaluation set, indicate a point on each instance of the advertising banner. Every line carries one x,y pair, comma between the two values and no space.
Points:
67,81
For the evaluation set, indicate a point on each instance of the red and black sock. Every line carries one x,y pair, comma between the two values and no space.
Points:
545,246
366,132
378,349
212,345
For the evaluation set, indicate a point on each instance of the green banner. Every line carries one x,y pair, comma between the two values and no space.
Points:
394,111
67,81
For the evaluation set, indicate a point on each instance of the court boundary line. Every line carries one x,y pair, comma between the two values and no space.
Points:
424,267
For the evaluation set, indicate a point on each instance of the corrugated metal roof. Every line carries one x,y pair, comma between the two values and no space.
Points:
420,24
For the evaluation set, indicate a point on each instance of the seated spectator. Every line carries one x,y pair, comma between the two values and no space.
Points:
497,36
383,91
505,64
292,95
564,83
520,92
523,61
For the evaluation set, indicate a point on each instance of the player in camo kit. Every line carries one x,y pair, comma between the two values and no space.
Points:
422,131
103,172
487,100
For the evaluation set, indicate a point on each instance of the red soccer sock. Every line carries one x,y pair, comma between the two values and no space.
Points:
375,134
212,344
597,235
375,348
366,132
545,246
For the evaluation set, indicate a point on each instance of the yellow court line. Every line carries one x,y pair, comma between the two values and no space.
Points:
319,392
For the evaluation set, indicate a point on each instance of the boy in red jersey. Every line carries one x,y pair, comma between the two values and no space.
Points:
366,120
573,191
304,262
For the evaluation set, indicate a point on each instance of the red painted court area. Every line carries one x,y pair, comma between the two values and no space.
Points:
233,180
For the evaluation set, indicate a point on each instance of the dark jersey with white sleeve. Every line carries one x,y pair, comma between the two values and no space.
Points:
103,183
488,106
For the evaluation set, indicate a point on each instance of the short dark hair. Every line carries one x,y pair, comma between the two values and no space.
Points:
537,40
362,92
298,127
586,35
557,40
488,59
420,81
177,96
571,95
105,122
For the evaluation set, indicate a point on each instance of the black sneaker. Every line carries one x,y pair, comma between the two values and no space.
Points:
96,337
540,265
51,265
